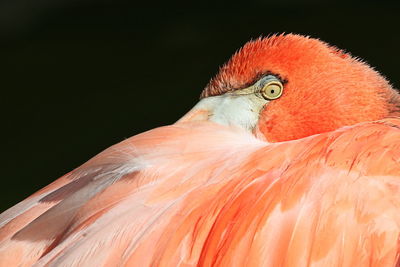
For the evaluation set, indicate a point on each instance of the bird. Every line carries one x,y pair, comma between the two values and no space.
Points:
291,157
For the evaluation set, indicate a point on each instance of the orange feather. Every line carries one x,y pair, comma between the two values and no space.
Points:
196,193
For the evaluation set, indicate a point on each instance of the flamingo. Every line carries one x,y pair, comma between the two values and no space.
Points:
290,158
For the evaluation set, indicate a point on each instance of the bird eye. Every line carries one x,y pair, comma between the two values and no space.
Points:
272,90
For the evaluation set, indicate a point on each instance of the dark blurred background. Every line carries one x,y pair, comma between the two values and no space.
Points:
79,76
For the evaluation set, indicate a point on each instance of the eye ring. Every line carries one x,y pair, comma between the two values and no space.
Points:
272,90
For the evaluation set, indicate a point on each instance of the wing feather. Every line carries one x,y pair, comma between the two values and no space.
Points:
202,194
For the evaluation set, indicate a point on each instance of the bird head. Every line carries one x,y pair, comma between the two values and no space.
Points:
287,87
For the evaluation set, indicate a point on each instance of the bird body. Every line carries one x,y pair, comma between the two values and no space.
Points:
222,187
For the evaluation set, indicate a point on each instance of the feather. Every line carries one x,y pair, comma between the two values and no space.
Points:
197,193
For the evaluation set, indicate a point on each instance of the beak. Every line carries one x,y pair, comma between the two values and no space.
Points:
240,108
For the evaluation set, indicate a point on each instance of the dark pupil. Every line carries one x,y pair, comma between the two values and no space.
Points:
272,91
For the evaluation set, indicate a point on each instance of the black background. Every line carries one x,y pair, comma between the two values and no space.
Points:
79,76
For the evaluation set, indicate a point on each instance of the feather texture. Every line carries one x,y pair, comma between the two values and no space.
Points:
197,193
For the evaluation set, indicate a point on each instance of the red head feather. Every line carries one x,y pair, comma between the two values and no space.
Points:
324,87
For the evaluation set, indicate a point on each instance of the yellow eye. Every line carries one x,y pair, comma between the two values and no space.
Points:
272,90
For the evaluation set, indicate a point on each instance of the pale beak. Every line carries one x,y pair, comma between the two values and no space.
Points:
240,108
